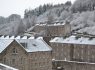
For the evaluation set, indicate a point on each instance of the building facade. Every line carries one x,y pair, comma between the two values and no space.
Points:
25,53
51,30
72,65
72,52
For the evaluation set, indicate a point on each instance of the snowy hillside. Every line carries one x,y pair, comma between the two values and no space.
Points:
14,24
81,15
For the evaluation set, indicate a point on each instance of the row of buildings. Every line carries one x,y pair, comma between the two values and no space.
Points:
57,49
50,30
69,51
73,53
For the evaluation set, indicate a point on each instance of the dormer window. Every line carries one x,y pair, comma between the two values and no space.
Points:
14,51
24,45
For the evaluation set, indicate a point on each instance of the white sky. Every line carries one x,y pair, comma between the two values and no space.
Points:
8,7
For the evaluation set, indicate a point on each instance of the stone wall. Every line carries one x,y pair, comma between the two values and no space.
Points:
38,28
15,56
72,65
53,30
84,53
40,61
73,52
60,51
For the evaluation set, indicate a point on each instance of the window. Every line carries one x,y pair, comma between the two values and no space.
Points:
21,60
13,61
14,51
4,61
24,45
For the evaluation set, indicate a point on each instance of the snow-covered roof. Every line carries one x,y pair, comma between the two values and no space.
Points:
7,37
4,43
1,37
12,37
74,40
24,37
16,37
33,45
31,38
5,67
55,24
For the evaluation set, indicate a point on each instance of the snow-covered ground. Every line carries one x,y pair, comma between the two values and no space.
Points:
5,67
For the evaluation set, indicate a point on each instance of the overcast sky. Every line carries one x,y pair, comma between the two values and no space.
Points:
8,7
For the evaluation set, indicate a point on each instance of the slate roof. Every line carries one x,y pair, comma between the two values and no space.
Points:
74,40
4,44
33,45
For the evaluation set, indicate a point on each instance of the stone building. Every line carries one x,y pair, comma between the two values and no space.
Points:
49,31
74,52
25,53
52,30
72,65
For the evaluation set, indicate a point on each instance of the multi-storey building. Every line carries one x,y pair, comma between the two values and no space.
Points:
25,53
52,30
74,52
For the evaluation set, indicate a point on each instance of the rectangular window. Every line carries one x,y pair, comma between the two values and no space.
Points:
4,61
13,61
21,60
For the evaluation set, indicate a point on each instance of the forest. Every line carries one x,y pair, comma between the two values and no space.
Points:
80,14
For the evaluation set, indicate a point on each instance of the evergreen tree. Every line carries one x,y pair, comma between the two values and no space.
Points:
21,28
83,5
